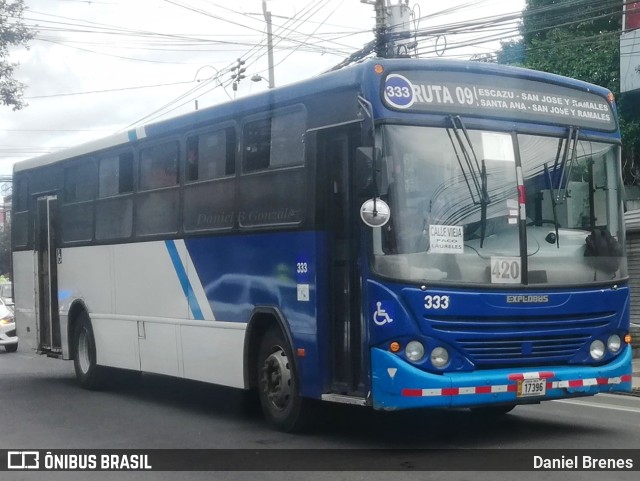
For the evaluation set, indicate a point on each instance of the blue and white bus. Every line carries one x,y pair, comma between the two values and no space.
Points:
397,234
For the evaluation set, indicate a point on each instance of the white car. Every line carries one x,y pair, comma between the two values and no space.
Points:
6,294
8,337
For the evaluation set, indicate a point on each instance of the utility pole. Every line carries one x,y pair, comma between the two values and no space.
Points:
380,30
267,18
391,19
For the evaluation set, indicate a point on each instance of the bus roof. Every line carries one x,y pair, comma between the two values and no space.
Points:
352,76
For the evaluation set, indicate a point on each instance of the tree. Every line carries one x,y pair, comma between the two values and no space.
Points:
580,39
511,52
5,248
13,32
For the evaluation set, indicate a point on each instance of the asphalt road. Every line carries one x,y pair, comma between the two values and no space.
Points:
42,407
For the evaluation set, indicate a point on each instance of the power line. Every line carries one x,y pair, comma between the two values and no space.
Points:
107,90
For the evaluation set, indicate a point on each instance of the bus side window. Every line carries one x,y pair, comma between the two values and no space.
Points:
80,188
115,175
274,142
80,182
20,219
114,208
209,195
273,153
159,166
257,145
211,155
157,206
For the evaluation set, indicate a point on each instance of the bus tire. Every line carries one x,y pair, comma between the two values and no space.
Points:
11,347
492,411
278,386
89,374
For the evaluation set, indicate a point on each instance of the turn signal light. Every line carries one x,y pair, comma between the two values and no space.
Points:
627,338
378,69
394,346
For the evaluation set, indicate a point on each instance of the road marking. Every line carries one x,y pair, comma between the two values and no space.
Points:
597,405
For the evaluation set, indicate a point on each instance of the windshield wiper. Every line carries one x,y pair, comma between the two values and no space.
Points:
570,144
553,202
477,173
558,196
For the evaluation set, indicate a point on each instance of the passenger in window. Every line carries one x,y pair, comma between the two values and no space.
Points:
192,162
164,176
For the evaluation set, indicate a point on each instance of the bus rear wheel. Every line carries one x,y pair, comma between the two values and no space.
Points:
278,386
89,374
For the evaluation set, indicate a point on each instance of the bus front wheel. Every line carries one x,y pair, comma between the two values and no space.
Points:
89,374
278,387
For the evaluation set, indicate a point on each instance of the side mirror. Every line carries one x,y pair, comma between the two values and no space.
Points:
375,212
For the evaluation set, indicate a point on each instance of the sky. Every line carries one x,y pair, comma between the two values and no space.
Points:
103,66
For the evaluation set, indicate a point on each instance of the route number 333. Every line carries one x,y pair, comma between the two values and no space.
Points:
436,302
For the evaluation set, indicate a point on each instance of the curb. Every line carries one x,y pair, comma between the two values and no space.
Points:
634,393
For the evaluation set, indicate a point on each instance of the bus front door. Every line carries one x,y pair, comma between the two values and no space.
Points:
335,149
49,340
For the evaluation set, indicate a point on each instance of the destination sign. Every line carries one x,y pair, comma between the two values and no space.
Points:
466,93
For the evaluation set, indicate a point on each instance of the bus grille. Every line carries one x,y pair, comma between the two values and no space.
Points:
492,342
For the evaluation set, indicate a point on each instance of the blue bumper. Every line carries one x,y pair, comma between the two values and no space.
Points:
399,385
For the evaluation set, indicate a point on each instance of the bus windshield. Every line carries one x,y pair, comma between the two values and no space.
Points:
455,213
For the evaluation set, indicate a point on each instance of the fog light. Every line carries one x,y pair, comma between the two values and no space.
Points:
614,343
439,357
596,349
414,351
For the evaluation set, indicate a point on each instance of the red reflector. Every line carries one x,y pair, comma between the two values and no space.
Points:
483,390
301,352
522,196
412,392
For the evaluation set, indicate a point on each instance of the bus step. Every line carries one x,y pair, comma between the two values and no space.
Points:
344,399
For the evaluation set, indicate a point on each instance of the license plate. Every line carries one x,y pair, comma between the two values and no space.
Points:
531,387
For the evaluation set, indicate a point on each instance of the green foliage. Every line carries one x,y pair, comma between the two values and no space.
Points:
581,39
594,58
13,32
584,17
5,248
511,53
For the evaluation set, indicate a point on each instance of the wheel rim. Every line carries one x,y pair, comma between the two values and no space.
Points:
276,379
83,351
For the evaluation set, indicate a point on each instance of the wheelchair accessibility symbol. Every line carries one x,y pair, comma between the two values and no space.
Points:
380,316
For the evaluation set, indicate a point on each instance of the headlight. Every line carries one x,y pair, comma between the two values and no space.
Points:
614,343
5,321
414,351
439,357
596,349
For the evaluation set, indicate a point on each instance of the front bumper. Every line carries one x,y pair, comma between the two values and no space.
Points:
8,334
397,384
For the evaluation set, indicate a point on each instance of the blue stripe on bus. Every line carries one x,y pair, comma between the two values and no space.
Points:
132,135
184,280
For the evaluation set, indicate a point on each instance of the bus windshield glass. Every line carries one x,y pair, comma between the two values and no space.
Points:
458,215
